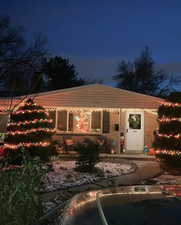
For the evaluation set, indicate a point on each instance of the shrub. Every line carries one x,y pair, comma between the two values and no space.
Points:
88,155
106,144
19,187
167,139
30,128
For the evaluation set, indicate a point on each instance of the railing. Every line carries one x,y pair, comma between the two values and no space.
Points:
100,210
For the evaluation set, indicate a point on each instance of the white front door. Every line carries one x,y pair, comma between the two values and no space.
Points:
134,131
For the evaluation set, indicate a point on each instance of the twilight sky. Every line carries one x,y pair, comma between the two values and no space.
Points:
97,34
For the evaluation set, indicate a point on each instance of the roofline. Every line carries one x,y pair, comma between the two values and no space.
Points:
63,90
81,87
89,85
150,96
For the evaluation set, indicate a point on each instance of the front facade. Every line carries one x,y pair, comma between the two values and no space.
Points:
102,112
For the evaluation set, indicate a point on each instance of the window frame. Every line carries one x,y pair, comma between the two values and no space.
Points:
67,131
73,132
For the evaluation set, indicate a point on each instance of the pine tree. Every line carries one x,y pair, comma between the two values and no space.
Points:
29,132
168,137
141,76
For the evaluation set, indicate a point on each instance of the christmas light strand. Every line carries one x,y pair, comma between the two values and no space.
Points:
32,131
30,104
30,111
169,136
168,152
31,122
171,104
165,119
36,144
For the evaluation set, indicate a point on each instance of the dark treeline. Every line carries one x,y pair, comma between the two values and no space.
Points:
141,76
28,68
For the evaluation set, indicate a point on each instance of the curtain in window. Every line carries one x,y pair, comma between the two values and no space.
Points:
62,120
52,114
70,121
96,121
106,122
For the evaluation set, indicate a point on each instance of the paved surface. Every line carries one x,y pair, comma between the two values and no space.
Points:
143,170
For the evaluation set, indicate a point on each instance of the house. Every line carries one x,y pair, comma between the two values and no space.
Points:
98,111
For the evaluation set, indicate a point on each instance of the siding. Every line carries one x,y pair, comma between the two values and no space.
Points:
113,135
150,125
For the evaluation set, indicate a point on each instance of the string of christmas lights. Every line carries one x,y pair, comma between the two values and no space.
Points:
171,104
169,136
31,122
32,131
30,111
30,127
30,144
30,104
165,119
168,152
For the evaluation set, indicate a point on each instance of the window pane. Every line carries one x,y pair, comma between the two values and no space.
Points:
62,120
70,122
134,121
96,121
106,122
52,114
81,121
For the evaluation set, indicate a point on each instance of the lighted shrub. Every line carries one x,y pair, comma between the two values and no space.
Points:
19,194
29,128
88,155
167,139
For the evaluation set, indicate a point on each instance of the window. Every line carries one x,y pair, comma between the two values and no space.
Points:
62,120
96,121
134,121
83,121
52,115
106,122
70,121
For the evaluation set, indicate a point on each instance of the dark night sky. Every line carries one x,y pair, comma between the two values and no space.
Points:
97,34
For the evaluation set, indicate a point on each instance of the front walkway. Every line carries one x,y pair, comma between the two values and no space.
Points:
144,170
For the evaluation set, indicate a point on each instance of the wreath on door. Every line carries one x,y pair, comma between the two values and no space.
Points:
135,121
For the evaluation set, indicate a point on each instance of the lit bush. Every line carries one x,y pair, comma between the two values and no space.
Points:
88,155
19,187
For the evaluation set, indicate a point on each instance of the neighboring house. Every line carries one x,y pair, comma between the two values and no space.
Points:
99,111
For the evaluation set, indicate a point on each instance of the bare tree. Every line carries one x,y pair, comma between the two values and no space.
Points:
19,61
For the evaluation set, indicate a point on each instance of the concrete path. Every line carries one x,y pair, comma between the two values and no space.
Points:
144,170
57,200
